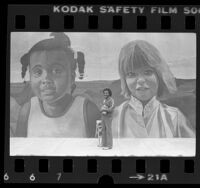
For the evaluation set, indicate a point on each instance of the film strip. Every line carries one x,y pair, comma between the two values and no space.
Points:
74,159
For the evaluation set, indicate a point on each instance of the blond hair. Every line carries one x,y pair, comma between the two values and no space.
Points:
139,53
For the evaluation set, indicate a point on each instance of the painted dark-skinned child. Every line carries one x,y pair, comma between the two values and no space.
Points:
54,111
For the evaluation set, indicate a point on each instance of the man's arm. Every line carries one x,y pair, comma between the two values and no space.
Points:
111,104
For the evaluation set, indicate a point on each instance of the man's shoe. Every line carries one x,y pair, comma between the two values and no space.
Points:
106,148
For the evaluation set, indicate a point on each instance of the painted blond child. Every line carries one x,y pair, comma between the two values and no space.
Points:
145,76
54,111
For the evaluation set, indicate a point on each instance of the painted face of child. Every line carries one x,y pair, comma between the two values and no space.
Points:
50,75
142,83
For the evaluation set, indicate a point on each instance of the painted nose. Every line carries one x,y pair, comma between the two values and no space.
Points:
141,79
46,79
46,82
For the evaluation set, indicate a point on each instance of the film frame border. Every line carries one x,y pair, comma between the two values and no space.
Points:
104,164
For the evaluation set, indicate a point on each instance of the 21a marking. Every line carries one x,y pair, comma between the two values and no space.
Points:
157,177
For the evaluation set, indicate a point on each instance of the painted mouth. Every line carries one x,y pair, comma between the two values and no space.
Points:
142,88
48,91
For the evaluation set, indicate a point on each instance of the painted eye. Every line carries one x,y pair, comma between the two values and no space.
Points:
37,72
131,75
148,72
57,71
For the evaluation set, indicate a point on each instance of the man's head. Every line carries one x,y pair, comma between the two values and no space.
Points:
107,93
